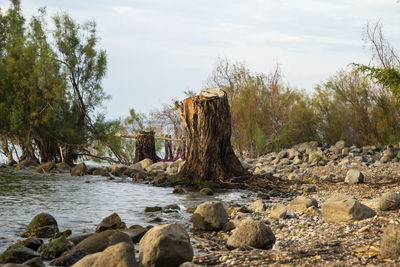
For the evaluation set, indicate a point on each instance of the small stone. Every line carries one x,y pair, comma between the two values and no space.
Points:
257,206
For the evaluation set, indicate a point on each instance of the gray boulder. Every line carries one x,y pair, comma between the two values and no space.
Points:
112,221
79,170
251,233
209,216
165,245
390,243
342,208
100,241
354,177
119,255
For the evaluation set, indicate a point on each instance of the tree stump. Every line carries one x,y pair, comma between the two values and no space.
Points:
145,146
207,122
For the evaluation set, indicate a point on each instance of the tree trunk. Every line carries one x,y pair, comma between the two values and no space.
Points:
207,121
145,146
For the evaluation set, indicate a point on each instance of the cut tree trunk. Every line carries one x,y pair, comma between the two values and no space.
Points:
207,121
145,146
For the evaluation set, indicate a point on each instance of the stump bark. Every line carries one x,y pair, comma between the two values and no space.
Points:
145,146
207,122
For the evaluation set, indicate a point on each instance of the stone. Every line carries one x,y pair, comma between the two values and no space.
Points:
46,167
189,264
121,255
165,245
171,170
136,233
79,170
390,242
251,233
100,241
118,170
69,258
14,265
257,206
278,211
77,238
35,262
178,190
100,171
301,203
55,248
209,216
343,208
206,192
88,260
42,225
354,177
17,254
309,188
341,144
32,243
145,163
152,209
63,167
389,201
112,221
30,164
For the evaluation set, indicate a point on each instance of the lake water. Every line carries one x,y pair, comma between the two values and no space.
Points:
80,203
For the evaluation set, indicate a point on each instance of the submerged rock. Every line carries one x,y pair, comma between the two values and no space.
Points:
165,245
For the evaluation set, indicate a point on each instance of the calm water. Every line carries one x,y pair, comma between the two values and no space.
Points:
80,203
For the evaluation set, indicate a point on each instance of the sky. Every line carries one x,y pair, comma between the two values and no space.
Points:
157,49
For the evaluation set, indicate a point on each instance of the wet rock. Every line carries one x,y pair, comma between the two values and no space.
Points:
152,209
88,260
17,254
69,258
206,192
155,220
42,225
35,262
32,243
189,264
30,164
100,171
172,207
136,233
278,211
301,203
178,190
251,233
354,177
100,241
112,221
121,254
342,208
118,170
209,216
165,245
55,248
46,167
76,239
390,243
160,180
257,206
79,170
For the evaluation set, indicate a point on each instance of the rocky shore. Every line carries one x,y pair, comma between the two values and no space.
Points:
311,205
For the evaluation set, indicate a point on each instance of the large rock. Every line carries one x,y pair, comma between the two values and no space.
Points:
88,260
342,208
136,233
354,177
209,216
118,169
35,262
17,254
77,238
31,164
390,243
68,259
301,204
257,206
42,225
119,255
111,222
145,163
389,201
32,243
79,170
63,167
164,246
55,248
251,233
278,211
46,167
100,241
